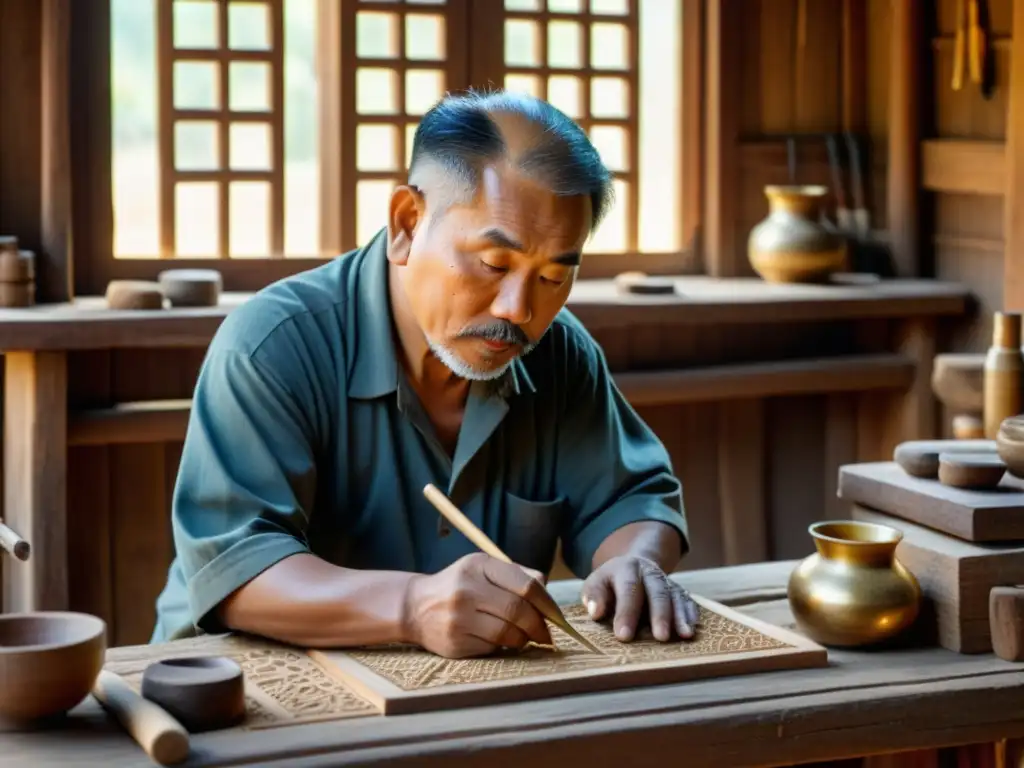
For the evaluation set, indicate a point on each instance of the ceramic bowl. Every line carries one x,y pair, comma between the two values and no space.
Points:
1010,444
49,662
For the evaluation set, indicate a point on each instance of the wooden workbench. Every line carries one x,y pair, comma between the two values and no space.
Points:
864,703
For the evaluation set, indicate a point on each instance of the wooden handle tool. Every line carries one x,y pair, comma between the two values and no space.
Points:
13,543
977,43
549,608
959,46
162,737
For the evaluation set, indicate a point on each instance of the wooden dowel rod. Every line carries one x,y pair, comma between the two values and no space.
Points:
162,737
13,543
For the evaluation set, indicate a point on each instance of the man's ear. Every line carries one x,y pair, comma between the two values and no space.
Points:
407,212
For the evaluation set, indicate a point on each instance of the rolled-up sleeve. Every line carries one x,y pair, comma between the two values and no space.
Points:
246,482
612,469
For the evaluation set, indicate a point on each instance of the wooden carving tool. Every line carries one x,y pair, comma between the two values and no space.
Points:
959,46
163,738
549,608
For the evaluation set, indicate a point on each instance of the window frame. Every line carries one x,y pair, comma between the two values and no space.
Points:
480,22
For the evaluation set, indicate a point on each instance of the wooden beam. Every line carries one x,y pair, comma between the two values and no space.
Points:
851,373
1013,204
905,85
155,421
723,254
35,478
54,277
960,166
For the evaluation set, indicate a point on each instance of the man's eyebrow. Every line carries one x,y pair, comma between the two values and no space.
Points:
568,259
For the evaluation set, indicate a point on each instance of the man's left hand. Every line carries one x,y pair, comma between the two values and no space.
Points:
624,586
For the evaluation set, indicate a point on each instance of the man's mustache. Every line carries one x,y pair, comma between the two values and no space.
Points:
501,331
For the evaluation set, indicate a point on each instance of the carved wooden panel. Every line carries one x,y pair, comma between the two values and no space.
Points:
403,680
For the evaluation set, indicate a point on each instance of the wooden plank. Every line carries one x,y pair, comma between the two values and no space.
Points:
905,135
90,560
35,478
54,274
411,681
155,421
840,450
722,96
1013,264
961,165
854,373
20,139
955,577
88,324
977,516
741,481
796,430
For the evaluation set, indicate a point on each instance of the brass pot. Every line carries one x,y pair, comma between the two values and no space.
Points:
792,244
853,591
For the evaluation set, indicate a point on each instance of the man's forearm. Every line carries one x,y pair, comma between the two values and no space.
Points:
649,538
306,601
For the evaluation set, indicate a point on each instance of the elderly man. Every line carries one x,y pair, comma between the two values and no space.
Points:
438,353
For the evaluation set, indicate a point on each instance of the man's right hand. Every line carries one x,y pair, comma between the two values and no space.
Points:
475,606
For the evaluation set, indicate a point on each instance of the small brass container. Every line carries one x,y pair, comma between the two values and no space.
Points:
853,591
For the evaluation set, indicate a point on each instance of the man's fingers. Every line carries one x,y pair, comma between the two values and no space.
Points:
692,612
597,595
630,598
496,631
522,599
681,604
659,604
542,578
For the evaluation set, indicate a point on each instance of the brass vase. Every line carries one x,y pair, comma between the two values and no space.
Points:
853,591
792,244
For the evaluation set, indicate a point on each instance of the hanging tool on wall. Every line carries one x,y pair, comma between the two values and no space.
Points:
970,46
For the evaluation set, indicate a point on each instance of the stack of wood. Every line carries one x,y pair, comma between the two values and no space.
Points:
962,517
17,274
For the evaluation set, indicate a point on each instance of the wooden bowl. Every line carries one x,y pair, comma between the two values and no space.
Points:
49,662
1010,444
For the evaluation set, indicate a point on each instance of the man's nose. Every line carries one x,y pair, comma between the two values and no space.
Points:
513,301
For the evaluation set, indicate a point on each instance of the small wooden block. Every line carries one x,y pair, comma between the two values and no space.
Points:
642,283
958,381
992,516
18,294
191,287
955,577
203,693
17,266
134,294
920,458
8,244
981,471
1006,622
967,426
854,278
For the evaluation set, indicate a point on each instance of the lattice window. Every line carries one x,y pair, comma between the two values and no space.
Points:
613,66
248,129
403,66
221,115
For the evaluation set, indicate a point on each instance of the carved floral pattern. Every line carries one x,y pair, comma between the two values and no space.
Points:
413,669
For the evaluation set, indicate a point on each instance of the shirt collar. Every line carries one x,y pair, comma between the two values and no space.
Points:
375,363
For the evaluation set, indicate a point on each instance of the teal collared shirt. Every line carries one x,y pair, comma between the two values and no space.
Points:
305,437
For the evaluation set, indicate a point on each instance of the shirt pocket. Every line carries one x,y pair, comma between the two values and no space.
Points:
531,531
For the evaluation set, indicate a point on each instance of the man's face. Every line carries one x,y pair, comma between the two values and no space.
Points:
484,280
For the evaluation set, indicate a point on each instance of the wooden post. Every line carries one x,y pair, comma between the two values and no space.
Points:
1013,255
904,136
35,484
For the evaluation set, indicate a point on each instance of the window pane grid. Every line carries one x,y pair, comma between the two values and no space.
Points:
582,61
239,49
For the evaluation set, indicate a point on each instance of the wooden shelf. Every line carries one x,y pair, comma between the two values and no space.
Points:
165,421
963,166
